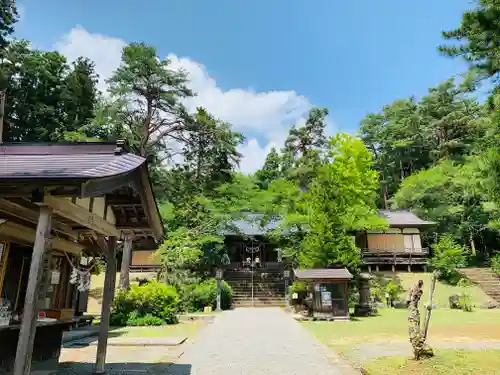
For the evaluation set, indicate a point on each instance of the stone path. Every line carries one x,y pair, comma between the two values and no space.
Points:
256,341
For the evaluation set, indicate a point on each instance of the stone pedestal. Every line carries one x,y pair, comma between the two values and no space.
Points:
364,307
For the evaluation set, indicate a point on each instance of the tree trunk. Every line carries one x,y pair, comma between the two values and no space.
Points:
472,245
125,266
416,335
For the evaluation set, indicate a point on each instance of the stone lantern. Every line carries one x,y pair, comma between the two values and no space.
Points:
364,307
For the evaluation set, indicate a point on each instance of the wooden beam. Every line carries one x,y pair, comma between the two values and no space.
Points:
25,213
107,300
70,210
26,339
27,236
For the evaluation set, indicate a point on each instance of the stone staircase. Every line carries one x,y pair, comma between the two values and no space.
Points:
485,279
268,287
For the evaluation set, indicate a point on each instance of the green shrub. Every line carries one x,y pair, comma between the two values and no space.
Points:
298,287
448,256
146,320
143,303
379,287
394,290
205,294
495,264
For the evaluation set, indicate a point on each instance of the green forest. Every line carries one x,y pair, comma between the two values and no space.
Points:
437,155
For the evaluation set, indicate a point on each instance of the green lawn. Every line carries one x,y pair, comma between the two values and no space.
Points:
456,362
391,325
389,331
442,291
175,330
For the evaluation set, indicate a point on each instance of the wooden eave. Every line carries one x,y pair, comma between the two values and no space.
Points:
21,193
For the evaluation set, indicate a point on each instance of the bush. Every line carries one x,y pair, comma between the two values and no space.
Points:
146,320
381,286
448,256
205,294
495,264
300,288
153,303
394,290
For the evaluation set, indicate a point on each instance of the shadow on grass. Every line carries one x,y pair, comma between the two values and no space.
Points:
85,368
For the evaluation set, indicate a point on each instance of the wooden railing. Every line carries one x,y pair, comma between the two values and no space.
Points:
395,257
407,251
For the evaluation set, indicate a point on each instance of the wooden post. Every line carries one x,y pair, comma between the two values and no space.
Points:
219,291
107,300
125,267
369,269
26,339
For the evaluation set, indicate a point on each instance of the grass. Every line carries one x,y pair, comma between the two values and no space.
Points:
457,362
391,326
174,330
389,330
442,291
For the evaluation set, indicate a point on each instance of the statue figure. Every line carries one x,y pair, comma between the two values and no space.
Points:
417,337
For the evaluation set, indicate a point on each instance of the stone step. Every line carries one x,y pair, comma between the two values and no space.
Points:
257,295
259,299
258,304
485,279
255,282
259,285
265,298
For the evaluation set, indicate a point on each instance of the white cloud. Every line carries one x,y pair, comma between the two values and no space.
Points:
262,115
104,51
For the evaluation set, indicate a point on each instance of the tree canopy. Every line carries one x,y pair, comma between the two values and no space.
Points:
437,155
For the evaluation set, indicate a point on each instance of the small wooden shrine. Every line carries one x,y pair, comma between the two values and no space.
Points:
328,292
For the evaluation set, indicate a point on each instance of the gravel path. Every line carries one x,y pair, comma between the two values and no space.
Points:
260,341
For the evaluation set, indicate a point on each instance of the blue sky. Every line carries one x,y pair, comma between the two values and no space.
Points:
262,64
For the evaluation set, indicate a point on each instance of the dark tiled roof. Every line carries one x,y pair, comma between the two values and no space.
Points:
323,273
403,218
61,161
251,225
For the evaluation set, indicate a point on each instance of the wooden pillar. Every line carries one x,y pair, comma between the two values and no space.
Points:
107,300
393,268
377,268
26,339
369,269
125,266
